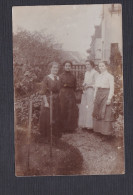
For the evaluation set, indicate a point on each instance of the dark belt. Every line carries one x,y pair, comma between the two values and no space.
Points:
89,87
67,87
102,88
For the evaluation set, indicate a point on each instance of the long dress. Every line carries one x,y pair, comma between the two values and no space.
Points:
102,114
69,109
86,106
50,84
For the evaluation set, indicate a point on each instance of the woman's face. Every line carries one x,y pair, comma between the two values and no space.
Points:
67,67
55,69
102,67
88,66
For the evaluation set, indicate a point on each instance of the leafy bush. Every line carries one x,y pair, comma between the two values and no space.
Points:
116,70
22,111
118,126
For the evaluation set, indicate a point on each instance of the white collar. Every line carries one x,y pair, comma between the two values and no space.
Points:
92,71
105,72
52,76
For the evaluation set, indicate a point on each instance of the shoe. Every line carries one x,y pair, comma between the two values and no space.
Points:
100,135
108,138
71,131
90,130
84,129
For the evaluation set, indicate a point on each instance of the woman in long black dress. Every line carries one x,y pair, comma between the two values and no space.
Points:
51,85
69,110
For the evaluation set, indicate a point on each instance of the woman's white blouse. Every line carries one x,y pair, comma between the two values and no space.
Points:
105,80
90,77
53,77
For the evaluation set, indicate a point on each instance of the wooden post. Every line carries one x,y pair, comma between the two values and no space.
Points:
29,131
51,116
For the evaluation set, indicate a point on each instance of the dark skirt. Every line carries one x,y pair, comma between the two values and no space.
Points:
44,125
69,110
102,114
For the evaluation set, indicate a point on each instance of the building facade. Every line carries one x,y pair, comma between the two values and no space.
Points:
107,39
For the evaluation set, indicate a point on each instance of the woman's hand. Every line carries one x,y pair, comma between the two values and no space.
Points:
46,105
85,86
94,100
108,102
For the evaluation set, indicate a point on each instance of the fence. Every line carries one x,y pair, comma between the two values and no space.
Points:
79,71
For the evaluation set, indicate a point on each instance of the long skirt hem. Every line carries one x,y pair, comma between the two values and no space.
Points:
103,127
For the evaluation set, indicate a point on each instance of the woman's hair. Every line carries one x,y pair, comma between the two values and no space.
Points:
50,65
67,61
91,63
104,62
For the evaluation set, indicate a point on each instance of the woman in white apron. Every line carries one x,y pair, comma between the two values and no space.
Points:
103,116
87,100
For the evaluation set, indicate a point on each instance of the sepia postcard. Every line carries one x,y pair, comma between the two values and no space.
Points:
68,90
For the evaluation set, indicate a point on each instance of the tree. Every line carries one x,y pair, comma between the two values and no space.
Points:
31,54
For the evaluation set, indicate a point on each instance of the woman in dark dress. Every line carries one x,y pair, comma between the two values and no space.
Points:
51,86
69,110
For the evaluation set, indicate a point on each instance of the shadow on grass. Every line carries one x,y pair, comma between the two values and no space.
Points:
66,159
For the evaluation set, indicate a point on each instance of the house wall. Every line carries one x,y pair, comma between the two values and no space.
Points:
111,32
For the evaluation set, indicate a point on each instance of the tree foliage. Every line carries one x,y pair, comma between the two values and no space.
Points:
32,53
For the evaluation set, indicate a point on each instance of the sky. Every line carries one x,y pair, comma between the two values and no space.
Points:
71,25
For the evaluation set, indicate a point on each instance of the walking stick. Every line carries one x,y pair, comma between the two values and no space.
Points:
51,116
29,133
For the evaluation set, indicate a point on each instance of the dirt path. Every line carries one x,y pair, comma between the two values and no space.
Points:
100,157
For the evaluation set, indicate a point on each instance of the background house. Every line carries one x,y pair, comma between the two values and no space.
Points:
106,42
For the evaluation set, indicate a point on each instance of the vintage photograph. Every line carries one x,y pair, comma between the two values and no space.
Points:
68,90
